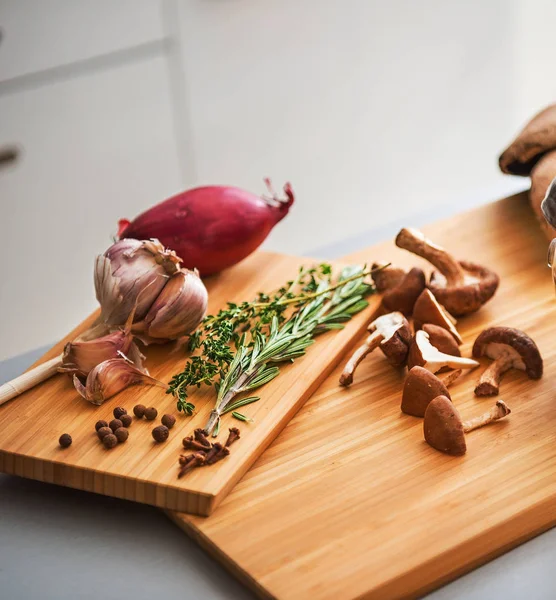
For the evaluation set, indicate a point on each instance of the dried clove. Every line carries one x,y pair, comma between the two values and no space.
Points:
233,436
190,444
197,460
201,438
222,453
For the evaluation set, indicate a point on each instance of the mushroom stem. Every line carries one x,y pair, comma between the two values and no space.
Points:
414,241
498,411
451,377
372,342
489,383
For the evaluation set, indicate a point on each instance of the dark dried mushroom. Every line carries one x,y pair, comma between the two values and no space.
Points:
441,339
428,310
386,277
510,349
462,287
390,333
403,296
421,387
422,353
444,429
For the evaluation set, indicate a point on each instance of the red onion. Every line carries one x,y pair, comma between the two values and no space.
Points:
213,227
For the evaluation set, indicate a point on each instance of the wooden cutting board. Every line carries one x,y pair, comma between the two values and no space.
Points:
350,502
141,470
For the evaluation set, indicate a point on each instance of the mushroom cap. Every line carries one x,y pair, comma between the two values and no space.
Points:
428,310
420,388
422,353
479,287
443,427
403,296
395,329
441,339
387,278
495,341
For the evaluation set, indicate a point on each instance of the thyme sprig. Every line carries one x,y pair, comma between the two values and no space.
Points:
249,329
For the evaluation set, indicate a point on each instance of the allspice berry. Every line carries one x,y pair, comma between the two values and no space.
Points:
126,420
100,424
110,440
121,434
103,431
115,424
139,410
160,433
65,440
119,411
151,413
168,420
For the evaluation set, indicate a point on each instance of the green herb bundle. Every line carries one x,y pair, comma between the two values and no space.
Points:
242,345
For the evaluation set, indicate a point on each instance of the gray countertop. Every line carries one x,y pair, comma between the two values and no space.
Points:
57,543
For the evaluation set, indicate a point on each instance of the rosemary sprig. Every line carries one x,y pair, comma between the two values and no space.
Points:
254,363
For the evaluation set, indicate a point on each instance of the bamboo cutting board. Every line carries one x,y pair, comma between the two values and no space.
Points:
141,470
350,502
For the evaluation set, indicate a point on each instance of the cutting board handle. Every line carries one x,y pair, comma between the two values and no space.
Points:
30,379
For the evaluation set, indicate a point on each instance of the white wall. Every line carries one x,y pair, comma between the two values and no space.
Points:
373,110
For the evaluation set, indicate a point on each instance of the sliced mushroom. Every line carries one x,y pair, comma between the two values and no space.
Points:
442,339
390,333
421,387
511,349
427,310
385,278
422,353
444,429
403,296
462,287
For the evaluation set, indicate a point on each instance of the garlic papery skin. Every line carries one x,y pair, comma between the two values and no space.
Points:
177,311
111,377
132,271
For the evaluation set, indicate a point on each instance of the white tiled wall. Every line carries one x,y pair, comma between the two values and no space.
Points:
373,110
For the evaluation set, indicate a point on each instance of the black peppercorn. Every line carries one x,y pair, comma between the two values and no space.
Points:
160,433
151,413
100,424
109,440
168,420
121,434
115,424
119,411
103,431
126,420
139,410
65,440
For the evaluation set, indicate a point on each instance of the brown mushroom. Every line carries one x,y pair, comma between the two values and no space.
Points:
390,333
462,287
427,310
422,353
441,339
421,387
403,296
445,431
511,349
386,277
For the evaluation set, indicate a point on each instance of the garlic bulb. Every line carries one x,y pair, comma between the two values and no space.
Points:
132,271
178,309
111,377
171,302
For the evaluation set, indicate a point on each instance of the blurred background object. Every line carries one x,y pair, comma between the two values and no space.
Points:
375,111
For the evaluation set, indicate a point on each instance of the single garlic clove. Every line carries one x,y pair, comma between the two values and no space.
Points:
177,311
132,271
111,377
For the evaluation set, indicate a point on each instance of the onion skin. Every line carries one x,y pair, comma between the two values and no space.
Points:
213,227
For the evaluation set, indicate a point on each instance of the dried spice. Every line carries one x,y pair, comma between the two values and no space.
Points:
207,453
110,441
103,432
115,424
151,413
119,411
160,434
65,440
139,410
100,424
126,420
121,434
168,420
233,436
